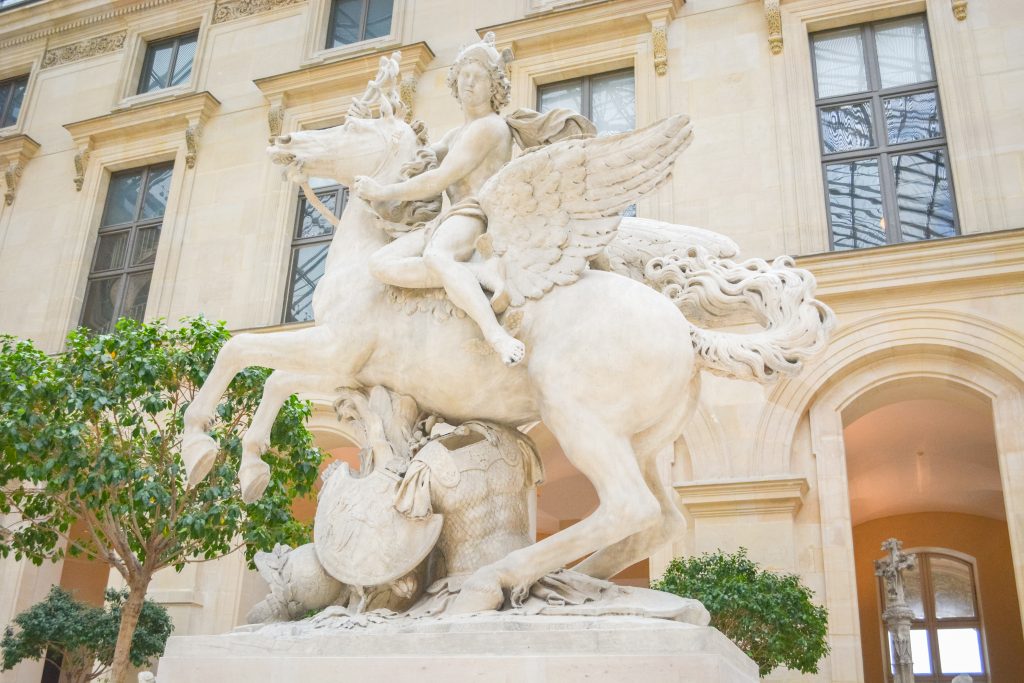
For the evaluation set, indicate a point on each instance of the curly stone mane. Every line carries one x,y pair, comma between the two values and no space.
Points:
408,215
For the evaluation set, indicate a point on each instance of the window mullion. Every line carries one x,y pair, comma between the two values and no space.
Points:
173,63
585,102
363,19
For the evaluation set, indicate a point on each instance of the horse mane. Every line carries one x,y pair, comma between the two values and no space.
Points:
412,214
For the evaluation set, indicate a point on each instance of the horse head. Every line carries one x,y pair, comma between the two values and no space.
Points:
373,140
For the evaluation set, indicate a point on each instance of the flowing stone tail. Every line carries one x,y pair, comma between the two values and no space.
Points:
780,296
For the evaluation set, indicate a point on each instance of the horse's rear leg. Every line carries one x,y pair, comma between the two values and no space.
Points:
626,507
306,351
648,445
253,473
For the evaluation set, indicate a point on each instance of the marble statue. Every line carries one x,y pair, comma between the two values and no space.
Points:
898,614
594,336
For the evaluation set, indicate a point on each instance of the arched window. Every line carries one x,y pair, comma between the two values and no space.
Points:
946,634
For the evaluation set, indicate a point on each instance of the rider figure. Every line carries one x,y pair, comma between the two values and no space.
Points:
469,155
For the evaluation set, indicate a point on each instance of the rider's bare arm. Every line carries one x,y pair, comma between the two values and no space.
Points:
440,148
474,144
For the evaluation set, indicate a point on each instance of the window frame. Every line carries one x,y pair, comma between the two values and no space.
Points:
363,15
5,105
586,92
932,624
881,150
132,228
149,55
296,243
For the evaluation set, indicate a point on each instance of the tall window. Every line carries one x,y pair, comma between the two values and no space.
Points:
353,21
945,636
883,142
608,99
122,266
168,62
12,92
310,241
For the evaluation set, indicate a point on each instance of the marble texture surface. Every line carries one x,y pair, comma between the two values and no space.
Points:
486,647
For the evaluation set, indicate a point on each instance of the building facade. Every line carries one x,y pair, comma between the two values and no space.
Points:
880,142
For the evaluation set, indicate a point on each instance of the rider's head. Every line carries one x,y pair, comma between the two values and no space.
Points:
496,64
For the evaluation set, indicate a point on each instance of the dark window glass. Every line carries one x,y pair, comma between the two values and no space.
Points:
168,62
352,21
608,99
311,237
884,155
12,92
122,266
945,635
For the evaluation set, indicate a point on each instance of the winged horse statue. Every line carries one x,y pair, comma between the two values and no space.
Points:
613,365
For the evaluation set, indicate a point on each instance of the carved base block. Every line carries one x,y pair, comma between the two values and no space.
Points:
472,648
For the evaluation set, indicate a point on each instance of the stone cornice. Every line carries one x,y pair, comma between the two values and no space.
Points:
15,151
83,49
345,77
734,497
184,115
59,16
605,19
983,256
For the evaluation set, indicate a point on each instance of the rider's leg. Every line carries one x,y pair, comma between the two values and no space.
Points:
400,263
453,242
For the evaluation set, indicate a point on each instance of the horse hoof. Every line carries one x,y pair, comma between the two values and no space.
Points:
479,594
198,452
254,477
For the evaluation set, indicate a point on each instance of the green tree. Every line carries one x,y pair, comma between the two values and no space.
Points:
82,635
93,435
771,617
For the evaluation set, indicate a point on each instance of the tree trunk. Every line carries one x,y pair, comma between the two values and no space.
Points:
130,611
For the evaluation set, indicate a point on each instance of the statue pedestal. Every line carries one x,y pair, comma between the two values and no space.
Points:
486,647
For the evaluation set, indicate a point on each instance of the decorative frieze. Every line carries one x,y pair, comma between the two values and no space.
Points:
227,10
83,49
15,151
773,15
960,9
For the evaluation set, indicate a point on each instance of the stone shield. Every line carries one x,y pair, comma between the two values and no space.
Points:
360,538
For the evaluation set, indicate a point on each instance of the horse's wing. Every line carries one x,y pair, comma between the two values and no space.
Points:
550,211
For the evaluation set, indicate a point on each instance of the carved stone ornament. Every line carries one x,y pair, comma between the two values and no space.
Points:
275,119
407,93
84,49
236,9
960,9
81,163
192,135
659,36
773,15
15,151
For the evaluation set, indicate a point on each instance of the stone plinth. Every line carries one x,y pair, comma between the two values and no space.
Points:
477,648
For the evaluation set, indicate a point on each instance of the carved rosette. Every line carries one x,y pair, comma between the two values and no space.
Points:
659,36
960,9
84,49
773,15
236,9
192,135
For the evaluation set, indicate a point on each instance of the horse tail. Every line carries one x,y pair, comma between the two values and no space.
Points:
779,295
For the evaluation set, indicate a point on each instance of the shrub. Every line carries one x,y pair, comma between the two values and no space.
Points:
769,616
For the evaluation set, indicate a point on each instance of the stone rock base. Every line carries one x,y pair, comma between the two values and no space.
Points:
476,648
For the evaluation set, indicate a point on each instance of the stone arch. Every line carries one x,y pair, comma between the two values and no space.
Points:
990,345
962,353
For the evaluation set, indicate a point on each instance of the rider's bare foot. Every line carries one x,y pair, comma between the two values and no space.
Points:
509,348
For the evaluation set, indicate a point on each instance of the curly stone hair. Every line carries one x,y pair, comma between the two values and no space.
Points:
501,86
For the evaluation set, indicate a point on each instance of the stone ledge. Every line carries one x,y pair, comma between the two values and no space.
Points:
735,497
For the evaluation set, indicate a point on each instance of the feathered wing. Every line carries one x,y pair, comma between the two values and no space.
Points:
550,211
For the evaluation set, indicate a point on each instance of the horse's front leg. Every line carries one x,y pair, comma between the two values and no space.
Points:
253,473
306,351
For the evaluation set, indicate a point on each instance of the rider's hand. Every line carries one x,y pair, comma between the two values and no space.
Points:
368,189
